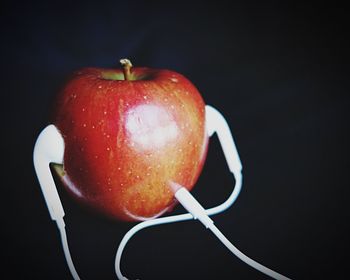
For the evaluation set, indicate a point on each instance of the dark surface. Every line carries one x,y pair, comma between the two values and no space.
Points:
278,74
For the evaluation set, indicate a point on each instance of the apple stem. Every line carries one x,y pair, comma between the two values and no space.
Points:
126,68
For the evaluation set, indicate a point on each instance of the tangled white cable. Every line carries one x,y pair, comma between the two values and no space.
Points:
49,148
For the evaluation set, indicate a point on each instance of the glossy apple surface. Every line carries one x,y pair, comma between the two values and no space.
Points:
127,140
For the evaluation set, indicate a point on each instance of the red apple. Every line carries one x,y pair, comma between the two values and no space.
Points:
129,133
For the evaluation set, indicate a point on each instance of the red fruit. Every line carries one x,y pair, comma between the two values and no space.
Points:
127,139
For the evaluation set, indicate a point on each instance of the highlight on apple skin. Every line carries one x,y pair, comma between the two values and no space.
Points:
128,134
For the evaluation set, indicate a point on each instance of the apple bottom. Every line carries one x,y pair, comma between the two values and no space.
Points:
136,203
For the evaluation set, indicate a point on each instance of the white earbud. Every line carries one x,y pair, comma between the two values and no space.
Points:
217,123
49,148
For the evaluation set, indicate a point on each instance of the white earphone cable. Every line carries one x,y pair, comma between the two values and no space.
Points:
198,212
62,228
245,258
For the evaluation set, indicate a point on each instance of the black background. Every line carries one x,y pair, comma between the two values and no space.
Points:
278,73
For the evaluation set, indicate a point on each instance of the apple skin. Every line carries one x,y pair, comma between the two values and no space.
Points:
126,141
